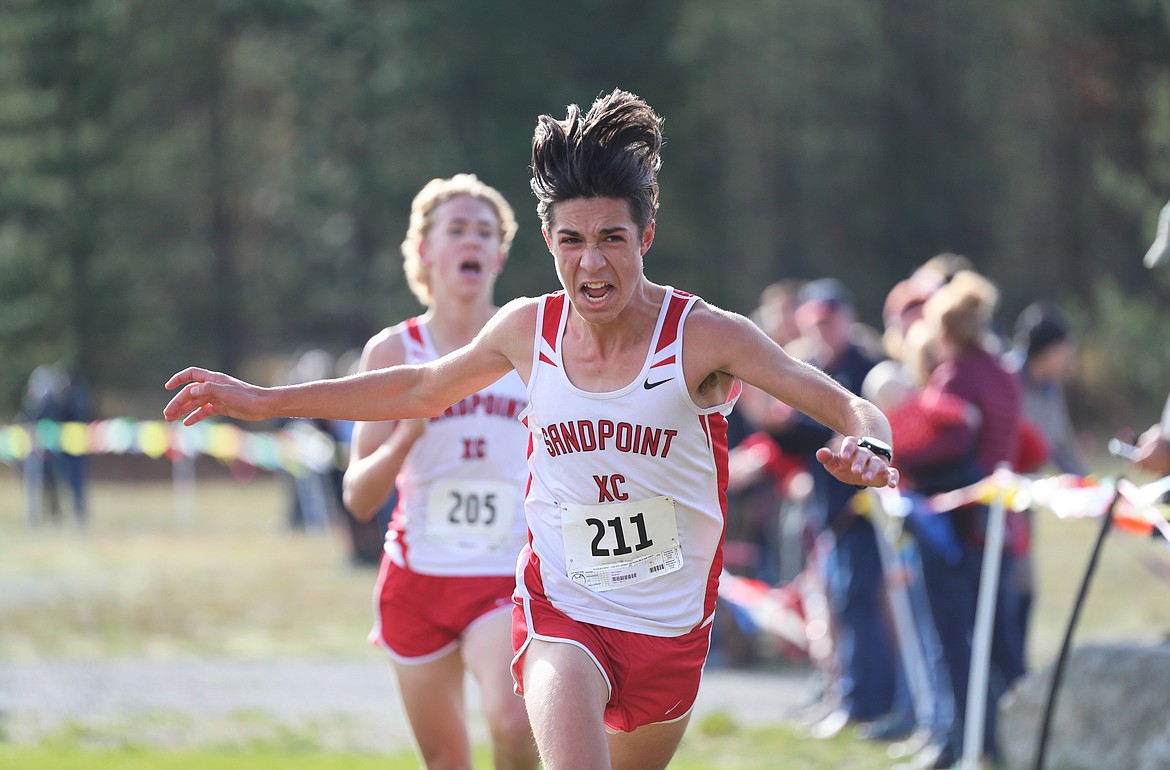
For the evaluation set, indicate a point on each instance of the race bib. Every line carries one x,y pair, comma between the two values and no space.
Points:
620,544
472,516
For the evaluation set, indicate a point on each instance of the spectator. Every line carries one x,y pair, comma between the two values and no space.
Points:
959,315
901,311
1042,358
938,271
1153,447
762,475
314,497
934,432
55,395
865,681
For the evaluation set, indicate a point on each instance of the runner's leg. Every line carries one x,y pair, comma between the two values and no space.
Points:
649,747
487,652
565,694
432,694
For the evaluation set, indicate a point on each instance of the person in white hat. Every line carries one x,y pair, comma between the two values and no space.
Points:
1159,251
1153,447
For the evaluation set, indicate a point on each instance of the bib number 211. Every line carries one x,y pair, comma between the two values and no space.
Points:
617,526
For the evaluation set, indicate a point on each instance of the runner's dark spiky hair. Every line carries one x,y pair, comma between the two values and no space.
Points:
613,151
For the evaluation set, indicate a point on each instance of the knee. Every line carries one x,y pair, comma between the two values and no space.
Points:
445,758
510,724
509,727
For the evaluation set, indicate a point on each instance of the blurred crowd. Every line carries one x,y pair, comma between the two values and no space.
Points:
56,393
964,397
898,594
314,498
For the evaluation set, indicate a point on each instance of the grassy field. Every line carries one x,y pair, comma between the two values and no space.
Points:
233,581
144,582
738,750
712,745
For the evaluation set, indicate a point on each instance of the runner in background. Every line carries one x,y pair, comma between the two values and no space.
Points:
443,596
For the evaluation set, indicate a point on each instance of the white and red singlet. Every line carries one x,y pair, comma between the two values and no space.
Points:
627,500
460,491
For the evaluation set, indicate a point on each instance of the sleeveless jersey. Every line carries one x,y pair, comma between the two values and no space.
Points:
627,492
460,505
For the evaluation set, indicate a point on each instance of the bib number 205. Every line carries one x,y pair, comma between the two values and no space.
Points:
471,515
471,508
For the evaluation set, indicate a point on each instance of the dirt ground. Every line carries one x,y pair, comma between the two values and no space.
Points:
337,704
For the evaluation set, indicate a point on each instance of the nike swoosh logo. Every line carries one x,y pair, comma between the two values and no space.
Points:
650,385
672,708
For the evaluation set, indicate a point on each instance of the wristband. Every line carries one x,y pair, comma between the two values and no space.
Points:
877,447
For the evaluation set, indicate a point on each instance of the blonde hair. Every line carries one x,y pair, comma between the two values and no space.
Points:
434,194
917,351
961,310
939,270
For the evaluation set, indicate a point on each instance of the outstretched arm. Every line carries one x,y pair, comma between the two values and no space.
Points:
722,345
1153,451
393,393
377,450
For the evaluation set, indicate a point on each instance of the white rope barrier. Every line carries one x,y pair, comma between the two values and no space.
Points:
974,724
1137,508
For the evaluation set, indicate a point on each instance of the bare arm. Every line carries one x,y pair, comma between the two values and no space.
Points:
1153,451
378,449
722,346
394,393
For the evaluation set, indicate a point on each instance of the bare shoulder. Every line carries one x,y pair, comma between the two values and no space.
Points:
520,310
707,318
384,349
715,342
512,330
715,335
515,319
726,343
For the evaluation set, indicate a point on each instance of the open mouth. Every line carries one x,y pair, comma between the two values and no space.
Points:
470,267
596,292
